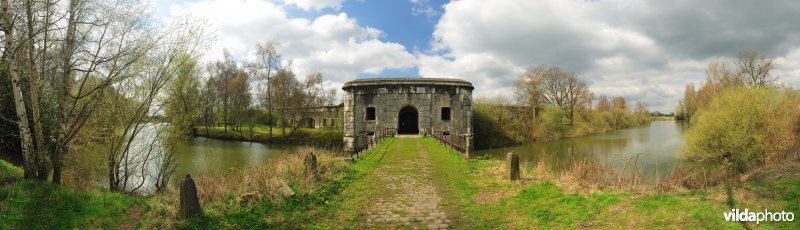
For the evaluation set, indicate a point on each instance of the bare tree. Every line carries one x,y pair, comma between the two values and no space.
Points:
209,100
222,72
285,93
754,69
555,86
720,76
240,98
620,103
641,108
136,97
602,104
268,62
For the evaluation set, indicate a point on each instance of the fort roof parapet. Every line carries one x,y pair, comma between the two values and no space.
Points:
415,81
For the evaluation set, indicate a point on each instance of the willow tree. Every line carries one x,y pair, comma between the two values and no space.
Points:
184,102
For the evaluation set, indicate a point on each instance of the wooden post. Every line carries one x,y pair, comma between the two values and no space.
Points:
311,165
512,160
190,204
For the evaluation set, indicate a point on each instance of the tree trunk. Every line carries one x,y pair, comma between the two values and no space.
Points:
9,57
269,106
33,77
62,142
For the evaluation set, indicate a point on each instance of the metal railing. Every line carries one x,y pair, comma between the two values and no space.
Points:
367,140
454,140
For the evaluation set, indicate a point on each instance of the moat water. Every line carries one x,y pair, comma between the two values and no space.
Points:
657,144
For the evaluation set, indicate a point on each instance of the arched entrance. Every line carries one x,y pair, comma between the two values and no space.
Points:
408,121
307,123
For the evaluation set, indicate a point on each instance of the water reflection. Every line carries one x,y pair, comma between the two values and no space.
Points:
196,156
658,142
205,156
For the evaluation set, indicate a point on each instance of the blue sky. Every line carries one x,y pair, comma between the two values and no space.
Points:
399,23
641,50
410,23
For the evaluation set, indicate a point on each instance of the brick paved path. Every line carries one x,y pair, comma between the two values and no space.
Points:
409,197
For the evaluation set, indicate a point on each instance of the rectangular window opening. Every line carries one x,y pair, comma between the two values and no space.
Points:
445,113
370,113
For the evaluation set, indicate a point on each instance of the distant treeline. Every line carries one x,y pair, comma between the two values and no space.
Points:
552,104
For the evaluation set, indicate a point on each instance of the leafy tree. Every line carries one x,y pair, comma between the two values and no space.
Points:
553,121
183,108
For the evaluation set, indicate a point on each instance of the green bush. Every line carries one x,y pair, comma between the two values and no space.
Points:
553,122
495,126
749,126
8,170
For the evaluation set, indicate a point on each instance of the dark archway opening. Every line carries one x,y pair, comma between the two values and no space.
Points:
307,123
408,121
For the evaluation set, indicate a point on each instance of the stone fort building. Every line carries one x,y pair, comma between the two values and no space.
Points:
406,106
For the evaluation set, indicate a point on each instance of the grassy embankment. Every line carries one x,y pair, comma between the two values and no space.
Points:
541,199
547,200
40,205
325,138
239,199
484,198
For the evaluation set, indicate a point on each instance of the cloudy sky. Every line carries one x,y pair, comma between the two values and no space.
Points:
642,50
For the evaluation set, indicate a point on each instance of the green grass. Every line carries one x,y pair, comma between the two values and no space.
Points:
325,138
40,205
780,191
8,170
549,206
31,204
531,203
476,190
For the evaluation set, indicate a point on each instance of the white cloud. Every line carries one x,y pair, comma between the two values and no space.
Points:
334,44
640,50
424,8
315,4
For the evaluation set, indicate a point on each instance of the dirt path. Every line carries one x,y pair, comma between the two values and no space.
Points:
409,196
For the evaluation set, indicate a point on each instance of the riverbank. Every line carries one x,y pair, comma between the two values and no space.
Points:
479,196
322,138
401,182
503,125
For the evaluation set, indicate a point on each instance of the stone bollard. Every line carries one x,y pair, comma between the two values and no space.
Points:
468,145
512,159
190,204
311,165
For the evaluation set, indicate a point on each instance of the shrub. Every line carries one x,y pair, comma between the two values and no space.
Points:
495,125
553,122
747,126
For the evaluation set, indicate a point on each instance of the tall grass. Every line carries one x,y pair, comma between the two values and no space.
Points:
249,198
265,181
